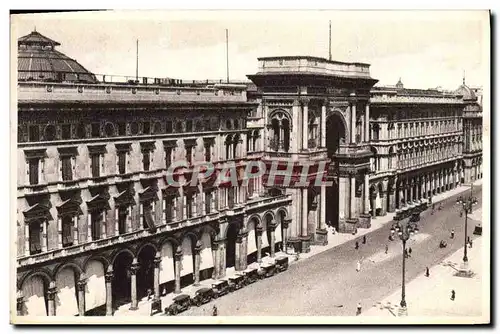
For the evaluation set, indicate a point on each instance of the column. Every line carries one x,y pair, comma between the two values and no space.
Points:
303,230
237,252
273,238
305,123
215,259
133,285
322,212
80,285
89,226
197,251
117,217
109,293
178,257
59,233
367,195
26,238
373,201
353,122
424,187
352,210
44,236
19,303
367,122
156,277
258,234
51,296
75,230
383,199
323,124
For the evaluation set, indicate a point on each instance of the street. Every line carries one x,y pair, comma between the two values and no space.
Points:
328,284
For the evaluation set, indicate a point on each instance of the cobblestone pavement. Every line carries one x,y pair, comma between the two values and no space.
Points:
328,283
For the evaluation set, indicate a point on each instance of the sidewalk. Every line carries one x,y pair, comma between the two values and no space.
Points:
430,296
333,241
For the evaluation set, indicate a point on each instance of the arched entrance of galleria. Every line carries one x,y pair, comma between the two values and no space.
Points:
335,135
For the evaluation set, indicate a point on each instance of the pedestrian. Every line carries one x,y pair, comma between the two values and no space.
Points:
334,230
214,311
452,233
405,253
386,249
358,309
427,274
452,295
461,213
468,239
409,251
358,266
149,293
357,245
364,239
470,244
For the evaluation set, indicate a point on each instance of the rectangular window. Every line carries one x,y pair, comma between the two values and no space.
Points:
169,127
34,170
147,216
122,129
189,126
189,154
189,205
146,160
66,131
208,152
146,128
34,133
168,208
66,168
95,131
230,197
168,157
35,238
67,231
95,162
122,162
122,220
208,201
95,218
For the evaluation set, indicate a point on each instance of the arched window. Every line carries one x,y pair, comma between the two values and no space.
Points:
280,132
109,129
157,128
376,131
50,132
236,141
134,128
228,142
229,125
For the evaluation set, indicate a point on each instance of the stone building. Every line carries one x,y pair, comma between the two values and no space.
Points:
99,223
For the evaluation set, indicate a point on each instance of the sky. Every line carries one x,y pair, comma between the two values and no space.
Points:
424,49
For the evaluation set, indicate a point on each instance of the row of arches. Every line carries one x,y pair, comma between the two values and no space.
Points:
101,284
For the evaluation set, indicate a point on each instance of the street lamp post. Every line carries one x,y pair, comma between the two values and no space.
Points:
405,226
466,208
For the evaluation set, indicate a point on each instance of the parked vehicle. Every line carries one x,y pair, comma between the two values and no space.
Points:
220,288
267,270
251,275
202,296
282,263
179,304
236,282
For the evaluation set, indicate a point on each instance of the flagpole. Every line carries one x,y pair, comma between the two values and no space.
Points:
227,56
137,60
330,41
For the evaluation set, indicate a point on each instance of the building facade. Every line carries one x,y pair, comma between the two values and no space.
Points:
99,223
